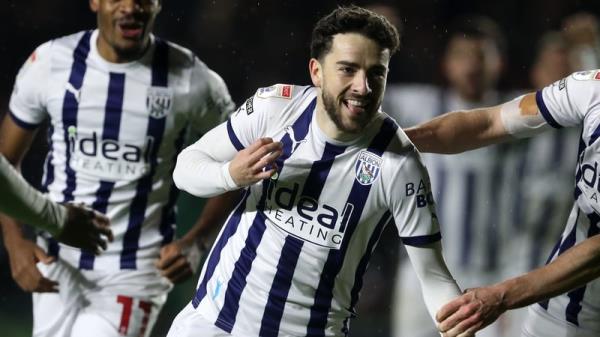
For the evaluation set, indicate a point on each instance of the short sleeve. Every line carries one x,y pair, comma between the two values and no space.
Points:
411,202
211,101
251,120
566,102
28,100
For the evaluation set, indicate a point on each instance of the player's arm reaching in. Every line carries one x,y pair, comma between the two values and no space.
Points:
71,224
460,131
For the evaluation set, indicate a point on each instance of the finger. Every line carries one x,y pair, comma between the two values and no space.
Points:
465,312
181,276
263,151
168,258
107,233
41,256
265,175
46,286
258,143
266,160
466,327
448,309
175,268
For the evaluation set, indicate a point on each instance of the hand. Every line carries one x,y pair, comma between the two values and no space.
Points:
472,311
86,229
23,255
256,162
178,260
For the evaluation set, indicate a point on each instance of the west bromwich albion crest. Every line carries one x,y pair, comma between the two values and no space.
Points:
368,166
159,101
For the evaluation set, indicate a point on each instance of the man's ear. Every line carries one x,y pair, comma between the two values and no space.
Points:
316,72
94,5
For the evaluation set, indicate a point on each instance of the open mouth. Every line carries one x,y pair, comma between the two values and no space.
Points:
355,106
131,30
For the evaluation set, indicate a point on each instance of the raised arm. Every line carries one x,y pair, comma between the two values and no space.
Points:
460,131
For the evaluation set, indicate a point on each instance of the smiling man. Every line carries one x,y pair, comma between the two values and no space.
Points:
119,101
323,171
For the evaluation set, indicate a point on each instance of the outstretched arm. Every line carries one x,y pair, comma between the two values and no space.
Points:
482,306
460,131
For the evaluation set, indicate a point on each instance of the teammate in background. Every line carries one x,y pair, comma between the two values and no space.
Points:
71,224
120,102
470,190
573,270
323,171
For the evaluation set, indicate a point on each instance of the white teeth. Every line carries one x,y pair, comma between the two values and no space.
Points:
357,103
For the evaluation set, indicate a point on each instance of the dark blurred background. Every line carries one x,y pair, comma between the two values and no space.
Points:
254,44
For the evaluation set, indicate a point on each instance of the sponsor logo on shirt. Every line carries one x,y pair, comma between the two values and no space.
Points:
159,101
304,217
277,90
108,159
367,168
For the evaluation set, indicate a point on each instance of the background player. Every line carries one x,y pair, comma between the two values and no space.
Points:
569,102
71,224
291,257
120,102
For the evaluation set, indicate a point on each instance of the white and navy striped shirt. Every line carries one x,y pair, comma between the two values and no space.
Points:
115,131
575,101
290,259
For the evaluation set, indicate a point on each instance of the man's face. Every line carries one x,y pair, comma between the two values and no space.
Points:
352,79
472,65
125,25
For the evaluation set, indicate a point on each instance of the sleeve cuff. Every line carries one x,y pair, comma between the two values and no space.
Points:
418,241
539,99
230,184
22,123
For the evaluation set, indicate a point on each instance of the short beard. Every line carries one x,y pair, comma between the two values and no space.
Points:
335,114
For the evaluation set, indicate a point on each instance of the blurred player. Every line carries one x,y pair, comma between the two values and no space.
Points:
120,102
569,102
74,225
323,172
469,188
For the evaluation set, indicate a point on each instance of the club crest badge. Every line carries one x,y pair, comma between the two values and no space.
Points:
159,101
368,166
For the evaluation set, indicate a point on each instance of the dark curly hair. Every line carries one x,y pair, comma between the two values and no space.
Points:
353,19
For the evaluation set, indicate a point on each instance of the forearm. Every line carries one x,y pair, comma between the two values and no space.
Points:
571,270
437,284
214,214
202,168
458,131
21,201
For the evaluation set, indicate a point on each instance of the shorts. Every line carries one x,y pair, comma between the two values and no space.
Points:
189,322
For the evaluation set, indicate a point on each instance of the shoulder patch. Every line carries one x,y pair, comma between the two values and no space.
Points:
277,90
586,75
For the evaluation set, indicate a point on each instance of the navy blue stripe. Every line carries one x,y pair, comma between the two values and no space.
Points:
215,254
566,244
233,138
237,283
71,108
110,131
576,296
281,286
422,240
364,261
544,110
53,247
169,212
23,124
357,197
155,131
595,135
467,227
290,252
49,171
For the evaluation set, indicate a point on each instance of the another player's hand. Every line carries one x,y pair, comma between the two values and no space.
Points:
471,312
178,260
24,255
256,162
86,229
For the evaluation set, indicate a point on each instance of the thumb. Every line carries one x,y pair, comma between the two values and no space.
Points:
41,256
